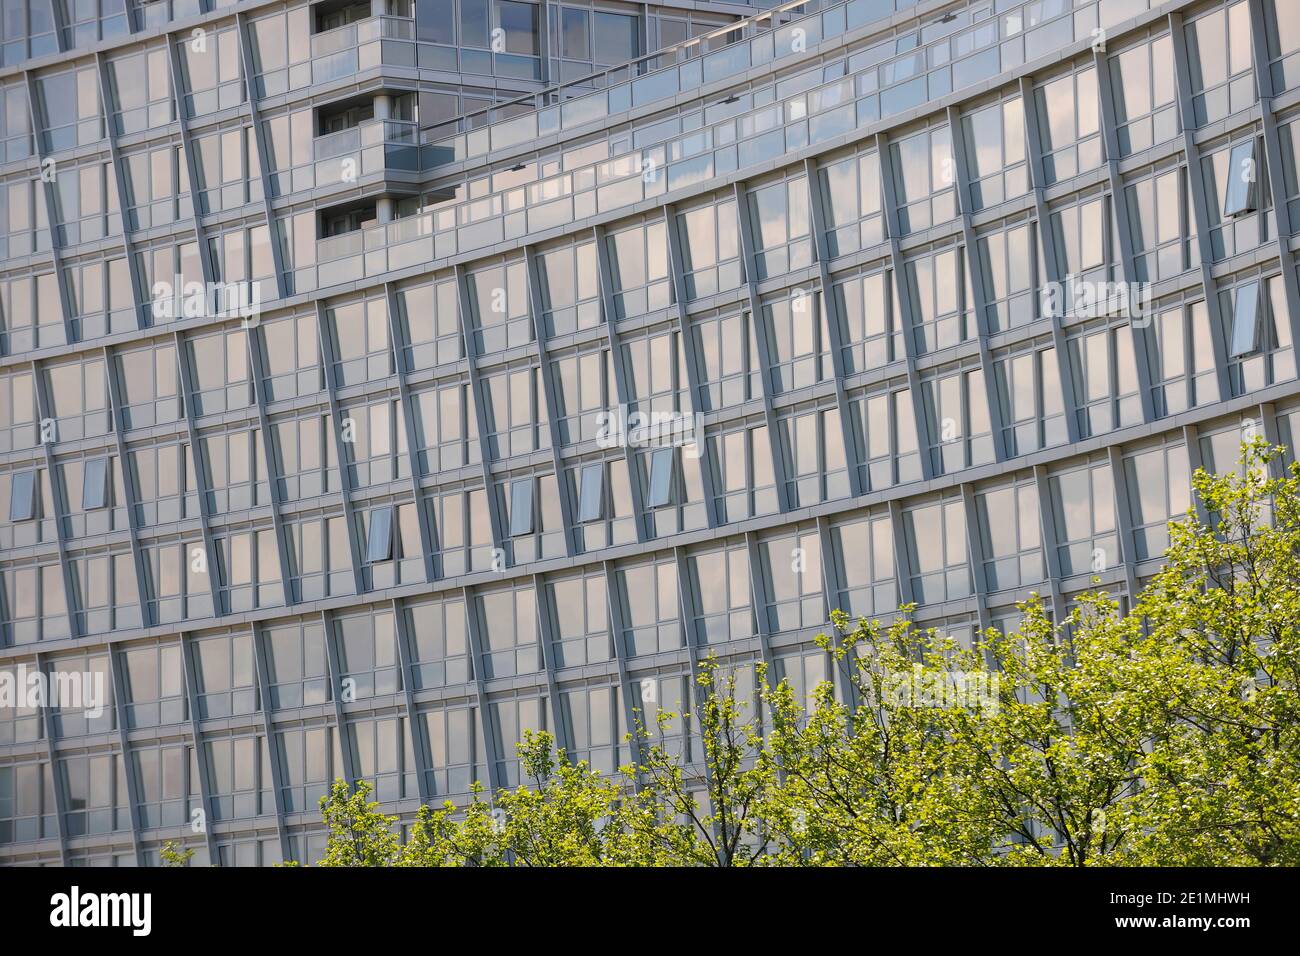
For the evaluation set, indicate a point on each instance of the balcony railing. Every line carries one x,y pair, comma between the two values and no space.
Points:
739,136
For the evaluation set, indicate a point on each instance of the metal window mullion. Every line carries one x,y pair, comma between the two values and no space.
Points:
60,25
200,473
51,206
123,200
1283,227
621,386
1192,442
677,269
1047,240
1200,203
902,563
132,788
263,154
1048,535
907,313
758,594
689,612
129,491
834,327
396,338
340,446
759,326
975,270
191,162
546,635
272,744
1139,328
56,494
975,554
832,574
57,783
414,729
486,719
191,666
1124,519
546,372
1268,424
258,371
616,613
495,521
340,718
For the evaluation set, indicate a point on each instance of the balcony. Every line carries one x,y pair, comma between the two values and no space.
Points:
363,45
369,148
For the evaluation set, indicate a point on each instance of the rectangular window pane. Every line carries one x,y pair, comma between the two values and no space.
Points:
22,496
593,480
661,471
521,507
379,547
1239,194
94,487
1245,319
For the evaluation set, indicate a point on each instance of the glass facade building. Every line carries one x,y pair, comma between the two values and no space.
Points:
954,296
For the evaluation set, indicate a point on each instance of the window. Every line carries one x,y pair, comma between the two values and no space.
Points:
1010,535
22,496
661,473
1239,196
379,539
592,497
1083,510
936,543
521,507
94,487
853,216
1245,319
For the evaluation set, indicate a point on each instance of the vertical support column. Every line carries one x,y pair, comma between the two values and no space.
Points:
486,720
340,445
903,290
1200,201
758,594
191,161
1273,164
975,270
119,181
397,339
272,749
832,574
546,636
535,309
336,677
191,665
1034,151
677,270
57,782
129,490
51,206
414,727
1138,326
621,386
132,788
759,325
263,153
902,564
258,366
617,615
817,206
1124,520
1192,442
197,456
975,554
1051,541
51,472
480,414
